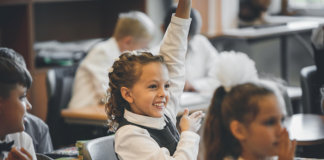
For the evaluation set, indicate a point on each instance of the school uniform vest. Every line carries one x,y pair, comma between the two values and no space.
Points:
167,137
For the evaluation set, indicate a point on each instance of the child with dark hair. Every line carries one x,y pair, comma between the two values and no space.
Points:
144,99
15,79
252,12
244,118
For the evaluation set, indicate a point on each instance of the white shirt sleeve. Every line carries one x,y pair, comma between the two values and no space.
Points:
205,56
91,80
173,49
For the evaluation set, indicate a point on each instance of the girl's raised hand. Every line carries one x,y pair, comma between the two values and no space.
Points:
183,9
286,146
191,122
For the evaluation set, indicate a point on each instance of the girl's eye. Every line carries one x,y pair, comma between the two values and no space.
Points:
167,86
282,119
269,122
153,86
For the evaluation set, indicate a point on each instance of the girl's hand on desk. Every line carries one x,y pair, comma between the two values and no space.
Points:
19,154
191,122
286,146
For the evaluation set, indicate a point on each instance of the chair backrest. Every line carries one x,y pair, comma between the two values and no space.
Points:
59,83
100,148
311,99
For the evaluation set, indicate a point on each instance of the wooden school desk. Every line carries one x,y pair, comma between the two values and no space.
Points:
95,115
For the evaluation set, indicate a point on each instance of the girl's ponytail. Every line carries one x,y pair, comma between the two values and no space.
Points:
213,125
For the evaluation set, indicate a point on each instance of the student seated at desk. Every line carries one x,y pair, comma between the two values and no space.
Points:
244,118
317,39
134,30
201,56
15,79
252,12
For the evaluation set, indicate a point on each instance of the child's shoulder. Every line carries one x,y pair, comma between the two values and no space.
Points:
130,129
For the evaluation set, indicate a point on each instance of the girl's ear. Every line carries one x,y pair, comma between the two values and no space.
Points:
238,130
126,94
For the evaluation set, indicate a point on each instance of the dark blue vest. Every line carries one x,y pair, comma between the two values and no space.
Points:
167,137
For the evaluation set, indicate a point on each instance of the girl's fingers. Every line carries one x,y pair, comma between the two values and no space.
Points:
186,112
285,139
293,147
196,114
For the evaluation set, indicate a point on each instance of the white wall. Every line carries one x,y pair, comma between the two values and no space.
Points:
156,11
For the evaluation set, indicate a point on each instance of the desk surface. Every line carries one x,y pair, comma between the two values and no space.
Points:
293,25
96,115
307,129
93,115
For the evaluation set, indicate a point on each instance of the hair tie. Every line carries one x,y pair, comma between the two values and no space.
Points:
234,68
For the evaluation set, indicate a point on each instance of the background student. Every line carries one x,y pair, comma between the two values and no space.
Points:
244,118
134,30
317,40
200,58
15,79
144,98
253,12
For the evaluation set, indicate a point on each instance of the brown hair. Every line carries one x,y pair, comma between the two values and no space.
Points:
125,73
240,104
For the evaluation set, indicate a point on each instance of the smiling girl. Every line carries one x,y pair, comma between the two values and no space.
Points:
145,95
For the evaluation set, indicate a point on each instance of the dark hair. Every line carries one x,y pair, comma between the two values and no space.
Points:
125,73
13,71
195,20
239,104
250,10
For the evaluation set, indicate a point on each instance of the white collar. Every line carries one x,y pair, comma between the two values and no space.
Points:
151,122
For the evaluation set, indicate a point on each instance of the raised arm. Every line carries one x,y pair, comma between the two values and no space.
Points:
174,48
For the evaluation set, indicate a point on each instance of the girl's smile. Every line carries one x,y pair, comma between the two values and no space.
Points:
150,94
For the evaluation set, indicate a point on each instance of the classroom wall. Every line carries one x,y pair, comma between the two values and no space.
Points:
157,15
